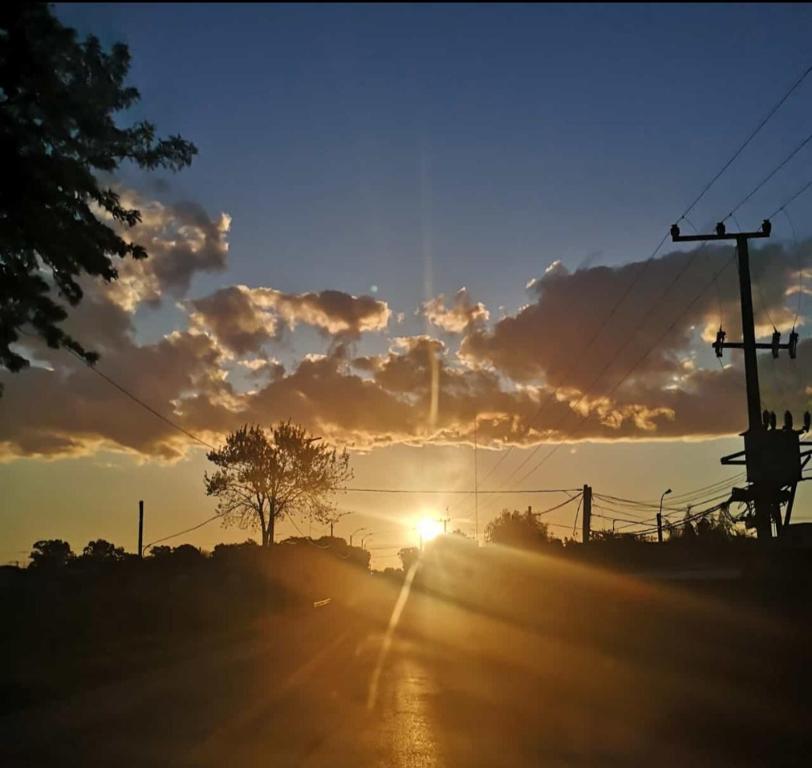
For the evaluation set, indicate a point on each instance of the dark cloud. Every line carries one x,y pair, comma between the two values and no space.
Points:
549,339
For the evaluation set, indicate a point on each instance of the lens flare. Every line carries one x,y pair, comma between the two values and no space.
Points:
429,528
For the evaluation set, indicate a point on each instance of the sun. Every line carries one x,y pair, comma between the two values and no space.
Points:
429,528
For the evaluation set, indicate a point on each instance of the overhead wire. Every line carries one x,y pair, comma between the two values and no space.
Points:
632,368
767,117
683,217
769,176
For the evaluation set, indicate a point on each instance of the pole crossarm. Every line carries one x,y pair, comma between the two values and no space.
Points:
721,233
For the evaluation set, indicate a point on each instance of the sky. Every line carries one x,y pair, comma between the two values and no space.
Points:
404,219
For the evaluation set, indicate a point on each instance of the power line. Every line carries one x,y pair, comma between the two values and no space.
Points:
636,364
140,402
185,530
744,144
676,499
769,176
458,491
690,207
557,506
791,199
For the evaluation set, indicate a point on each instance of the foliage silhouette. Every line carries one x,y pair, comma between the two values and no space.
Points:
262,477
517,529
58,99
101,551
408,557
51,554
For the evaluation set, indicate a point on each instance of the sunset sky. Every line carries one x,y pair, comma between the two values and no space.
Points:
402,219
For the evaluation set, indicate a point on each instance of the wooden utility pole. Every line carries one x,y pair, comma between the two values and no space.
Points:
141,528
476,485
773,457
587,517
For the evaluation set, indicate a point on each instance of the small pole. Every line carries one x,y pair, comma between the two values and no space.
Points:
476,484
331,529
587,518
660,517
141,528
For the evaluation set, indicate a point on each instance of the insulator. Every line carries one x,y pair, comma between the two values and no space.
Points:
807,421
772,419
776,342
766,227
720,340
787,420
793,344
674,231
720,228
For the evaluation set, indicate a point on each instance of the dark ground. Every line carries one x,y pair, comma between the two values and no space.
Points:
508,659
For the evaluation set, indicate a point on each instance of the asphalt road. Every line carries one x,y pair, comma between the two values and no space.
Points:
594,669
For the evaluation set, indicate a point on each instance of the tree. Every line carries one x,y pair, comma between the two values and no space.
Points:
517,529
262,477
408,557
161,552
58,98
51,553
101,551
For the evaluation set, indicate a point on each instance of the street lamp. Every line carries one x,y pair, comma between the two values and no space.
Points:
357,530
660,518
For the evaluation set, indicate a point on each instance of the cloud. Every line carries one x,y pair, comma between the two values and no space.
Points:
586,329
461,315
243,318
528,378
181,240
234,319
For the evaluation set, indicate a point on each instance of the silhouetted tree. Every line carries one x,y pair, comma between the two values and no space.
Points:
408,557
58,98
263,477
517,529
101,551
160,552
51,553
186,554
687,530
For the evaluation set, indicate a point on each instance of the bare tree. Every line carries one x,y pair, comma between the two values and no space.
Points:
262,477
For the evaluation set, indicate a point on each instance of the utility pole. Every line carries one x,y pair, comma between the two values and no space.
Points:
660,517
772,457
141,528
476,484
587,517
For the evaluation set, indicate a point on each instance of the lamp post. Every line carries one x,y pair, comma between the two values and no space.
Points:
364,539
660,518
357,530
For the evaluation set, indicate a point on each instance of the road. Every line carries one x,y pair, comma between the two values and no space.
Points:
596,669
